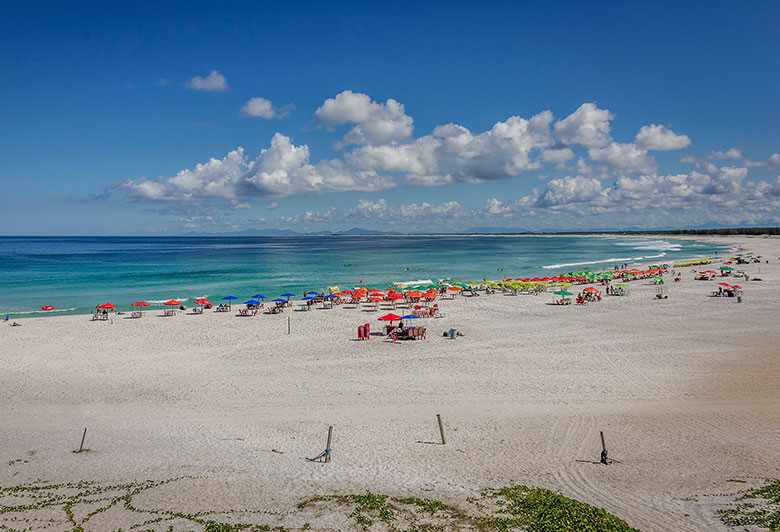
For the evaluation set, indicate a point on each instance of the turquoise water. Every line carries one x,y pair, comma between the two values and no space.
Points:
76,273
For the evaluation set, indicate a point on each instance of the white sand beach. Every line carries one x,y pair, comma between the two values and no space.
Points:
686,390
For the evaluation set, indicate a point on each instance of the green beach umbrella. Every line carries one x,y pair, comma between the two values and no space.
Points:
726,268
563,293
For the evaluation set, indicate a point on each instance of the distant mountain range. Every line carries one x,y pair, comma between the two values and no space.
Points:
701,229
352,231
290,232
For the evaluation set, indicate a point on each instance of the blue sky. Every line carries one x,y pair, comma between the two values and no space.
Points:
441,117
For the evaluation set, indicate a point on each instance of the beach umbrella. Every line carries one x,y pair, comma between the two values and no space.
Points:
736,286
308,298
726,268
591,289
202,301
172,303
47,307
725,284
140,304
251,302
413,293
279,300
229,299
331,296
455,289
389,317
258,296
410,317
288,295
563,293
107,306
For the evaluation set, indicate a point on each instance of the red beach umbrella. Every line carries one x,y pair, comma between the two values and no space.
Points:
172,303
107,306
395,296
201,301
47,307
389,317
725,284
140,304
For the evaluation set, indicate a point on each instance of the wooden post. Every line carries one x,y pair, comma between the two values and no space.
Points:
441,429
327,447
83,436
603,449
288,324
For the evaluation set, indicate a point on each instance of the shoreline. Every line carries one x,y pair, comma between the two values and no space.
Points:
632,263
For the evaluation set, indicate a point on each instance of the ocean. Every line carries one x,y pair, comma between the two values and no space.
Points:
74,274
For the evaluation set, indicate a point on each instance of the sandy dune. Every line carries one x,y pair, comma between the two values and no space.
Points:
687,391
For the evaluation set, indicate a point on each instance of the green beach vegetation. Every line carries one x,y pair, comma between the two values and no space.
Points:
80,506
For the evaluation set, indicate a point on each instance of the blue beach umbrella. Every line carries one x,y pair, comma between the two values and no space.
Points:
308,298
288,295
278,300
410,317
331,296
229,298
251,302
258,296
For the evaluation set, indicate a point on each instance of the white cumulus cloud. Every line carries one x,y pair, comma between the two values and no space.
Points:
374,123
659,138
587,126
282,169
260,108
215,81
624,156
453,153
